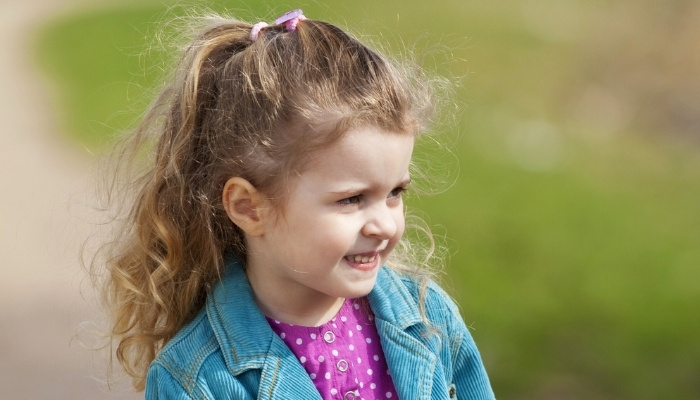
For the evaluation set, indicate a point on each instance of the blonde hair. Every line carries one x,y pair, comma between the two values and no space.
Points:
236,107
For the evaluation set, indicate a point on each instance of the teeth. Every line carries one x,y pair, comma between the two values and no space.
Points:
363,259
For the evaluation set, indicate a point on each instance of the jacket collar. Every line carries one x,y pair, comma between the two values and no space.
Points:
240,328
391,300
411,363
247,341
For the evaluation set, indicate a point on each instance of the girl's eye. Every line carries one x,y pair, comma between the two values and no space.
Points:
351,200
397,192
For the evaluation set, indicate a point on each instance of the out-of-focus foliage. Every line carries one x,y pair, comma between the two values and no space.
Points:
574,221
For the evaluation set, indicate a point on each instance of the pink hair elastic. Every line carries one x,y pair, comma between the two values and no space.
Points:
289,20
256,30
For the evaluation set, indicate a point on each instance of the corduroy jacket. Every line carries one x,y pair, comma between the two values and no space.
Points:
229,350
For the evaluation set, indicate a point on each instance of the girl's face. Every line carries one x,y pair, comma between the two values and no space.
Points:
343,217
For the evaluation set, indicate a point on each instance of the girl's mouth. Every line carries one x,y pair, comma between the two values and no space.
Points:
363,262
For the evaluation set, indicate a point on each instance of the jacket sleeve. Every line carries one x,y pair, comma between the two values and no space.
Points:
469,374
160,385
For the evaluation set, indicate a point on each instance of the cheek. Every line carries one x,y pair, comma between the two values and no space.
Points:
330,236
400,219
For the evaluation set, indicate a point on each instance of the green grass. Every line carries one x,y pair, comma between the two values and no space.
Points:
576,247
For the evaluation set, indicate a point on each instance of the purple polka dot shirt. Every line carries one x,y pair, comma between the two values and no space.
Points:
343,357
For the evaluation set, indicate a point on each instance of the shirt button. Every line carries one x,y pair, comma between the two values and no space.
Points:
329,337
349,396
342,365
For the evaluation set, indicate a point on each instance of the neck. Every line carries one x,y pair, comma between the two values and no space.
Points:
292,304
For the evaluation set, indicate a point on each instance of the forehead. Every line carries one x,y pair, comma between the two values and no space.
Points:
368,152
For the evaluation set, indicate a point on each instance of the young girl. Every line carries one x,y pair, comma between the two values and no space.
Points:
263,256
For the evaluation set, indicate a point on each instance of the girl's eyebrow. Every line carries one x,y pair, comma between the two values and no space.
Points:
359,189
349,192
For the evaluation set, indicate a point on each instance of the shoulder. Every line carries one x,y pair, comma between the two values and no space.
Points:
187,364
425,306
183,356
427,313
190,346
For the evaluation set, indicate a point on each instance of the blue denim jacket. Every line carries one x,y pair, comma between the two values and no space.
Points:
230,352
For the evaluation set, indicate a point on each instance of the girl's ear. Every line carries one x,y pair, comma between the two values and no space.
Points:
245,206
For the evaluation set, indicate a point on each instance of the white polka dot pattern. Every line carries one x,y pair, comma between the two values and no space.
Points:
350,343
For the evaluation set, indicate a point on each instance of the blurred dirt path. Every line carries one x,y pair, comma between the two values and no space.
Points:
44,192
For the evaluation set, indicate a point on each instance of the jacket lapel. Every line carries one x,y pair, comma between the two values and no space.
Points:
283,377
411,363
247,341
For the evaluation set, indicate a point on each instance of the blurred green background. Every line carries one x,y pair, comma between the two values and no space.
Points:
574,219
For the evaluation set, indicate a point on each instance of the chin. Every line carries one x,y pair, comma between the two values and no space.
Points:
360,290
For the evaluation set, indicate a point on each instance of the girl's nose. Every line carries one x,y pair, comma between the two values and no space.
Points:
381,224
